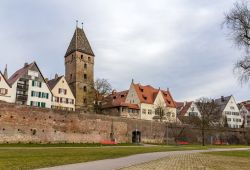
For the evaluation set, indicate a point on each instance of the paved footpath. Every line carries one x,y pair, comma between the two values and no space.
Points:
118,163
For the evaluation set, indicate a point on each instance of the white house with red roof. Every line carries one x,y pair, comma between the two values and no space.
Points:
142,102
187,109
29,87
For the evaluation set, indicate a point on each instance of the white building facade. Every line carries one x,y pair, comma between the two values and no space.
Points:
230,111
30,87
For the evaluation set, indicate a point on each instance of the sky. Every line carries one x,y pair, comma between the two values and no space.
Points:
175,44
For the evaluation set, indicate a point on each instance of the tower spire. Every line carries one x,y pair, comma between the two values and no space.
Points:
5,72
76,33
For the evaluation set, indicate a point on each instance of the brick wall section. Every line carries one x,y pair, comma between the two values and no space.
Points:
28,124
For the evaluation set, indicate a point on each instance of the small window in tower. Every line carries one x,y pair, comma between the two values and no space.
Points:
85,65
81,56
85,76
85,100
89,59
85,88
70,76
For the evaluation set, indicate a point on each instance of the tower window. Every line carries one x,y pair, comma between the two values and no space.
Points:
85,88
85,76
70,76
85,65
81,56
85,100
89,59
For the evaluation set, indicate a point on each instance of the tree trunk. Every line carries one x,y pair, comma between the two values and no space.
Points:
203,137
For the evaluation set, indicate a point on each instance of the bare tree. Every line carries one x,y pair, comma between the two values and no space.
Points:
100,89
210,116
162,112
237,20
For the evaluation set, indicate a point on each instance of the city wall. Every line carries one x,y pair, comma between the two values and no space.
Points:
24,124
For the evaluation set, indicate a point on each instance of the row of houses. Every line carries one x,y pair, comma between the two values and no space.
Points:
27,86
236,115
149,103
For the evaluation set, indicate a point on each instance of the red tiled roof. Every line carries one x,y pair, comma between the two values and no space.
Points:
147,94
183,107
117,99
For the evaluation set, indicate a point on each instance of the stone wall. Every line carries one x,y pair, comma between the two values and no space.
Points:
38,125
26,124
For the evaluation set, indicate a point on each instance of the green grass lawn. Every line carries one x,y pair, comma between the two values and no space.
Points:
24,157
245,154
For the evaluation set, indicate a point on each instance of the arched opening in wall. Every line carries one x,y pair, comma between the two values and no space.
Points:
136,136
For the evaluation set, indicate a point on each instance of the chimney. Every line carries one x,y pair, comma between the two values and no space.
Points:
25,64
185,102
222,98
46,80
56,76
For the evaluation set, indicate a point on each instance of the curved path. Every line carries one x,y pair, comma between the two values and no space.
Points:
117,163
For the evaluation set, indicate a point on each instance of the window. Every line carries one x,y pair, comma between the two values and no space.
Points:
81,56
85,65
231,107
36,83
3,91
84,88
144,111
85,76
62,91
85,100
89,59
149,111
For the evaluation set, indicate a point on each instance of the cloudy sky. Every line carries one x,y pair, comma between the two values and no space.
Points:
175,44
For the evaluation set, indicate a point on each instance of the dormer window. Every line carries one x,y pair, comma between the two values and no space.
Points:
114,97
122,96
144,97
141,89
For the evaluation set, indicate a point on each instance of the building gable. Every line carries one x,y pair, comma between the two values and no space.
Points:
132,96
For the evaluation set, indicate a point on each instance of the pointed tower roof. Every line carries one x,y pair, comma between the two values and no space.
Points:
79,42
5,73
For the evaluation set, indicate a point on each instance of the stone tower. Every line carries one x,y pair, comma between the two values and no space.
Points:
79,69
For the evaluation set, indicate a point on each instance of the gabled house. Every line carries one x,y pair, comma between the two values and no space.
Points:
115,105
230,111
63,98
187,109
29,87
244,108
6,92
143,102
